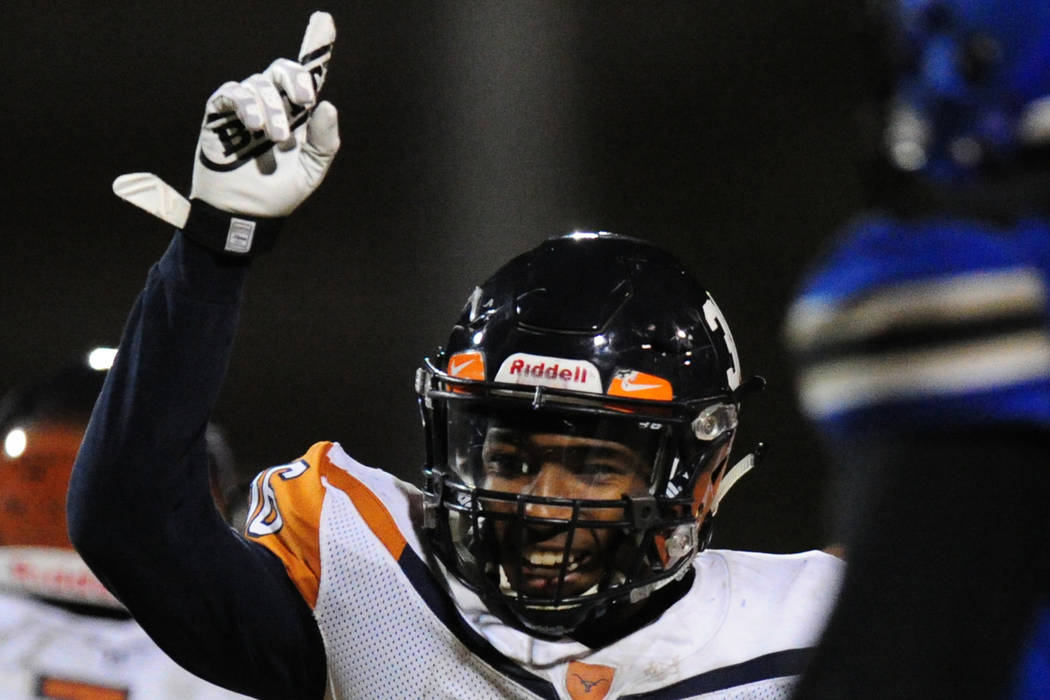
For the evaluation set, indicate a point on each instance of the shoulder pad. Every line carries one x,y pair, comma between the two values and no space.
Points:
284,516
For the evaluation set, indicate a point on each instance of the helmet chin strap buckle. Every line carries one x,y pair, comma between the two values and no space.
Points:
640,593
682,541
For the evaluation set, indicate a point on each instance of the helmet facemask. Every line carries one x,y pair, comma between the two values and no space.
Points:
555,507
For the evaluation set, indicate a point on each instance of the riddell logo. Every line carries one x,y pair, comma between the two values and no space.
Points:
554,372
577,374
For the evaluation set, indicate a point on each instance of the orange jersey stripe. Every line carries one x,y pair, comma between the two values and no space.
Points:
372,510
285,515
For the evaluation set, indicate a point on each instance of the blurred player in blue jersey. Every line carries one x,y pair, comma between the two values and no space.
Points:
578,426
924,345
62,634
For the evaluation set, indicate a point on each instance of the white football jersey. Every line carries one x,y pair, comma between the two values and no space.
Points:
394,628
49,652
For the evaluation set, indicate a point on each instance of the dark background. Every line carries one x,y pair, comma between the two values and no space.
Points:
720,129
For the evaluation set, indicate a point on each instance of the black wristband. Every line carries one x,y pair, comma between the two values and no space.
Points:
230,234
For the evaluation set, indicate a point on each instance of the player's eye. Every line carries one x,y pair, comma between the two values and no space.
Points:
602,468
506,464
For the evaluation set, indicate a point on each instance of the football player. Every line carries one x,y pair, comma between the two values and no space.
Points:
578,428
62,634
925,361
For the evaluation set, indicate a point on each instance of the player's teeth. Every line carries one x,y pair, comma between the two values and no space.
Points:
544,559
550,559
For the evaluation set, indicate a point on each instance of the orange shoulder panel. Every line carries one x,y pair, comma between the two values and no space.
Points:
285,516
371,509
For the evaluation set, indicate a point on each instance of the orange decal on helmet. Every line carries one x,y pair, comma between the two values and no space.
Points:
469,364
639,385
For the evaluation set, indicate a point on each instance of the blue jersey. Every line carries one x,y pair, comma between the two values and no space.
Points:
940,322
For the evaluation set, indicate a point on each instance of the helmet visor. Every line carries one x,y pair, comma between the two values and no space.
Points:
554,454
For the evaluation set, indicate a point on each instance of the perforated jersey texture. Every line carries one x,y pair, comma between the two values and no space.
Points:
382,639
771,689
738,634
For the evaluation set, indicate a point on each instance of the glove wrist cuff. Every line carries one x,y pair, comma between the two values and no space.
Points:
230,234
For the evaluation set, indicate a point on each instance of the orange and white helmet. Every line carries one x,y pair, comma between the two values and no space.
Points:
41,428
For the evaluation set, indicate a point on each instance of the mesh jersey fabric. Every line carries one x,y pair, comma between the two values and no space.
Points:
393,628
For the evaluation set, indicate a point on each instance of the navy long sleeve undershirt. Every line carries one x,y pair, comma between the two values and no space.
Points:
140,508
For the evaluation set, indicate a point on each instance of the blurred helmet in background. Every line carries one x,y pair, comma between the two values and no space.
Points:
41,426
972,94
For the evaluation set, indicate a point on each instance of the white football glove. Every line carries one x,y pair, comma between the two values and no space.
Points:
263,148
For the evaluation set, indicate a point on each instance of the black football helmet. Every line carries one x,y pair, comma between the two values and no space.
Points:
578,426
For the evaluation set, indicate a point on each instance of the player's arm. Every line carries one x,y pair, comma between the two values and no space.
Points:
140,509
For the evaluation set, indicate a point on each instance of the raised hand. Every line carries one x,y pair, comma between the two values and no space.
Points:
265,143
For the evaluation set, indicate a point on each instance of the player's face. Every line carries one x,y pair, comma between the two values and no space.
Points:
558,466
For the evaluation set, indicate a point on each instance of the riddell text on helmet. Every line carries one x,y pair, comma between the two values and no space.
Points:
555,372
577,374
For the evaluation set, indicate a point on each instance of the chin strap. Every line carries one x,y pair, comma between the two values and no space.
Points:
736,472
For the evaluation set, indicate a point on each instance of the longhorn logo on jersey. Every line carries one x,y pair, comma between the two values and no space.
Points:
588,681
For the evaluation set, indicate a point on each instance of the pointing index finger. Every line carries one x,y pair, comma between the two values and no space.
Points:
316,49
